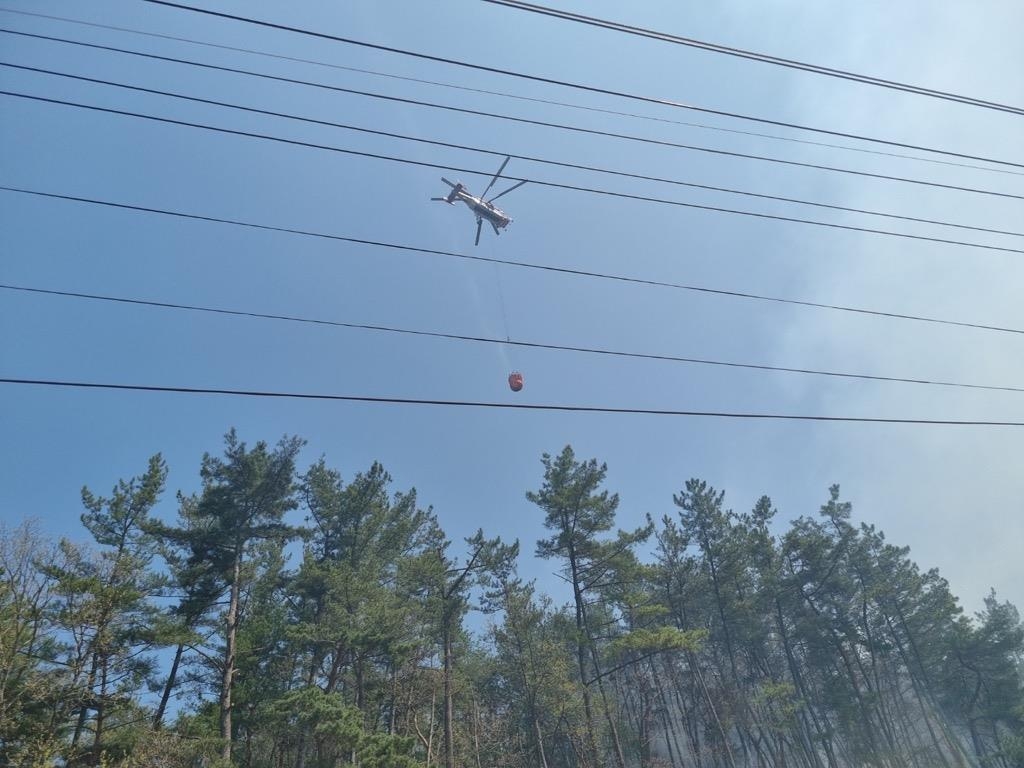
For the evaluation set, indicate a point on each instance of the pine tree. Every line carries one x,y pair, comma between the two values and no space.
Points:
104,609
355,615
244,498
534,677
578,513
449,581
31,707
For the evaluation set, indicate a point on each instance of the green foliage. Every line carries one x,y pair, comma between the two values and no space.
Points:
737,643
104,614
142,747
226,542
339,730
659,639
28,694
780,701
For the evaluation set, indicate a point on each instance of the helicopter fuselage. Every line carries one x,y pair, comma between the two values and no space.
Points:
480,208
483,208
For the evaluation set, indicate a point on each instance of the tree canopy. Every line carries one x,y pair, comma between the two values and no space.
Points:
285,616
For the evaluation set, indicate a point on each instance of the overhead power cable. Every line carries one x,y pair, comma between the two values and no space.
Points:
497,405
503,153
506,94
499,341
754,56
577,86
512,263
536,182
521,120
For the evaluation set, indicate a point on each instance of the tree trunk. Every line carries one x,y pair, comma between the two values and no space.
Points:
620,760
83,712
168,687
807,739
666,716
955,747
449,704
476,731
97,742
540,742
433,724
918,694
229,659
581,658
738,699
393,714
707,695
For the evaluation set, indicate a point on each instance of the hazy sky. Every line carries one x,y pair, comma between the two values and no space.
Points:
952,493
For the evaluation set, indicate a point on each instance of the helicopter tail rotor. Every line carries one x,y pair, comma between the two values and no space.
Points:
479,224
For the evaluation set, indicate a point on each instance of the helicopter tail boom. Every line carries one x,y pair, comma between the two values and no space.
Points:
454,194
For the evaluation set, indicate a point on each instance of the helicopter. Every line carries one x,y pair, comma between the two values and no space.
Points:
481,208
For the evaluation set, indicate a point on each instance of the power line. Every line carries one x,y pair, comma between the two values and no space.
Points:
754,56
506,94
498,405
511,263
577,86
536,182
503,153
521,120
498,341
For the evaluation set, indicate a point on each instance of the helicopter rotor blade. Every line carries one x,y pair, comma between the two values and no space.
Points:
495,178
479,224
514,186
450,184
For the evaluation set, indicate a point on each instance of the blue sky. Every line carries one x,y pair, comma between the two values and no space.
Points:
953,494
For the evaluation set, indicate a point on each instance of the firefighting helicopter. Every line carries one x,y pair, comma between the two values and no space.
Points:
481,208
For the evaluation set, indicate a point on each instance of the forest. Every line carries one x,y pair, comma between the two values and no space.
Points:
705,638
